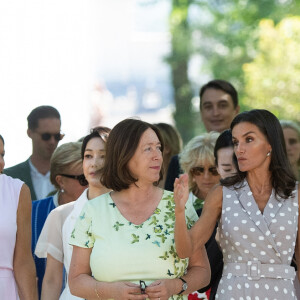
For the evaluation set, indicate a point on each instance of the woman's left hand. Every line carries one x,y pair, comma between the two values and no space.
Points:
162,289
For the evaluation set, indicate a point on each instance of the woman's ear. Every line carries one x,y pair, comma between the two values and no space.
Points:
59,180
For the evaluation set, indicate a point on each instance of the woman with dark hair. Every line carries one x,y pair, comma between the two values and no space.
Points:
223,152
124,240
17,271
53,241
257,211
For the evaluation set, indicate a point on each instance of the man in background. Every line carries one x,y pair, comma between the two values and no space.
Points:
44,130
218,107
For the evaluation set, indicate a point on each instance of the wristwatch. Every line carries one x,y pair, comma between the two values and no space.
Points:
184,285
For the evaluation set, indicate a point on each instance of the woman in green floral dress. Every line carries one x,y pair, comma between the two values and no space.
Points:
124,240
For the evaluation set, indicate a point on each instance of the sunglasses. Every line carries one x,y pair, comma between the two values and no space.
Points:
81,179
47,136
143,286
196,171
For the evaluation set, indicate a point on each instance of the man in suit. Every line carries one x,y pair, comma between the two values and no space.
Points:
44,130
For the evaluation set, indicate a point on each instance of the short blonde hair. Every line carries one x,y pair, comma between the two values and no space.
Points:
65,156
198,151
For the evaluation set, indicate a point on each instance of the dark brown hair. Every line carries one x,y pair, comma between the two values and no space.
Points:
221,85
41,112
100,131
283,179
121,145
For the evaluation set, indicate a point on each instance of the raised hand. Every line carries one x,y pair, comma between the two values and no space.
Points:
181,192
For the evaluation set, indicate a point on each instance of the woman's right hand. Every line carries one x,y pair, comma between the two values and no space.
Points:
181,192
127,290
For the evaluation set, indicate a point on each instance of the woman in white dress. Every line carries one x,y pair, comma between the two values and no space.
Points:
53,241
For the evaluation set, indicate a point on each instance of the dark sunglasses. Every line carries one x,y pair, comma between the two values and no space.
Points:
47,136
143,286
200,170
81,179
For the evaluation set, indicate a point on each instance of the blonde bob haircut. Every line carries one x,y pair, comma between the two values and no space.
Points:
65,157
198,151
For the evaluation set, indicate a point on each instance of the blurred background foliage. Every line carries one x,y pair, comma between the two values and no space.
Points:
254,44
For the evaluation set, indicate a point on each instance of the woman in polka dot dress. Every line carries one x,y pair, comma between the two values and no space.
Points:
257,211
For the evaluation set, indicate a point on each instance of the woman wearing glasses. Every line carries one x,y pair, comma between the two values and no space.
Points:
123,241
53,241
17,271
66,175
198,161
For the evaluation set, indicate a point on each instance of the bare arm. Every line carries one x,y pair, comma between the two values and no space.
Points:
200,233
83,285
53,278
24,268
297,248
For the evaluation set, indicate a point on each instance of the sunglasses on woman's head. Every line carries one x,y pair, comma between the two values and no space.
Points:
200,170
81,178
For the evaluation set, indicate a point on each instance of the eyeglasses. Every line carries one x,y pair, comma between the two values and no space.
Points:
196,171
47,136
143,286
81,178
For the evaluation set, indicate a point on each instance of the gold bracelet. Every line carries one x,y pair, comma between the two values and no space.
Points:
97,291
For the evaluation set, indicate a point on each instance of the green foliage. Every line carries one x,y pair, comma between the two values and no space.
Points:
273,77
229,39
178,60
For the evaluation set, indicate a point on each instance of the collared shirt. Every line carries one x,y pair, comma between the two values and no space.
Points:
41,183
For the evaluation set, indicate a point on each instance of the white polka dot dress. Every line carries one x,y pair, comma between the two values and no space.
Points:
257,247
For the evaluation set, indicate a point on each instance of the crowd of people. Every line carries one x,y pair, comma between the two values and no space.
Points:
128,213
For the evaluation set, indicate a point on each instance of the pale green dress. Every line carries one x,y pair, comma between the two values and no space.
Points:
123,251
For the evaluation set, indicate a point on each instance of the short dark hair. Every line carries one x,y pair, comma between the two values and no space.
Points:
120,148
222,85
283,179
224,140
99,131
2,139
41,112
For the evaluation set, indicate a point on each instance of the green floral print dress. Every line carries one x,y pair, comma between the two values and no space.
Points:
123,251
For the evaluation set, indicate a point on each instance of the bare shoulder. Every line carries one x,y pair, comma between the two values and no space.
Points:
25,197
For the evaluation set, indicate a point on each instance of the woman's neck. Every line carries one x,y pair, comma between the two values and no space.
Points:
63,198
137,195
95,191
295,170
259,182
